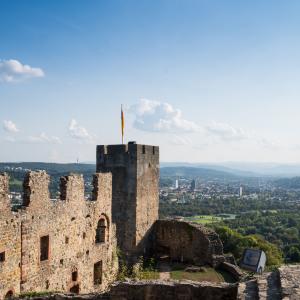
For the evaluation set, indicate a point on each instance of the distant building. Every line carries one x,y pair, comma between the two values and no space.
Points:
193,185
254,260
241,191
176,184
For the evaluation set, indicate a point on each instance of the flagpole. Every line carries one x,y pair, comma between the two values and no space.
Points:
122,124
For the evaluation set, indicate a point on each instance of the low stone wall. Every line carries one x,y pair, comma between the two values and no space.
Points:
156,290
289,279
234,270
172,291
186,242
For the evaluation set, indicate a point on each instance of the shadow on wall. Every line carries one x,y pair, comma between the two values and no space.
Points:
184,242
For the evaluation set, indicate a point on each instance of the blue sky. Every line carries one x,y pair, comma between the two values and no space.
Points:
207,81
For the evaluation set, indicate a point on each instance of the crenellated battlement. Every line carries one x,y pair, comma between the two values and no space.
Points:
71,189
50,244
4,184
4,191
131,147
35,187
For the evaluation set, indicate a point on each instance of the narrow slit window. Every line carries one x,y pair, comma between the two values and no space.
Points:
44,248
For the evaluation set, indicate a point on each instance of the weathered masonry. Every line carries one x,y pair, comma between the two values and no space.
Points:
186,242
70,244
64,245
135,184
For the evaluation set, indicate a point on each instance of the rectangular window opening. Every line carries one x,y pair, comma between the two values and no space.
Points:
2,257
98,273
44,248
74,276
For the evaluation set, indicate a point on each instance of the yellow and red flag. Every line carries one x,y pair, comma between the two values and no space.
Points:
122,124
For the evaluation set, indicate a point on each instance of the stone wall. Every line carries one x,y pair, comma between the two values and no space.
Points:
50,245
186,242
10,243
160,290
289,276
135,180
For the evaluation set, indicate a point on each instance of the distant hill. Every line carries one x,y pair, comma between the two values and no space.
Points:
17,172
192,172
241,169
250,169
214,167
50,168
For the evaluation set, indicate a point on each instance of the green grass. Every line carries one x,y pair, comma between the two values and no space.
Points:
204,219
208,219
148,275
210,275
15,182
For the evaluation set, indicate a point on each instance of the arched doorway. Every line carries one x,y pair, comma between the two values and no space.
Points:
75,289
9,295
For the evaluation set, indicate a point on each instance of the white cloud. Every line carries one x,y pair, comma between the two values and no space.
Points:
78,132
226,132
10,126
158,116
13,71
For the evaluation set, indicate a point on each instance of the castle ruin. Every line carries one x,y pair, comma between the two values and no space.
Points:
70,244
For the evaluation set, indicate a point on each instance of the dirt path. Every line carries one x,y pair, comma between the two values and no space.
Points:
164,271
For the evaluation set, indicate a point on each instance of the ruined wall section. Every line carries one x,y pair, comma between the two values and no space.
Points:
70,223
67,230
147,192
188,242
10,243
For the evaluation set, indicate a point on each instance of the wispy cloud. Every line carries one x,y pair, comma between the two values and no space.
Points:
226,132
178,140
78,132
10,126
14,71
269,144
41,138
155,116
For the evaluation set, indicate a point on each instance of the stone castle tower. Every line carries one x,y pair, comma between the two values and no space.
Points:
135,183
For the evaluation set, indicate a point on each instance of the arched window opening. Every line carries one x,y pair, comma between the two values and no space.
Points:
101,231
